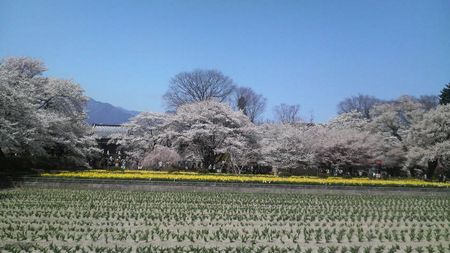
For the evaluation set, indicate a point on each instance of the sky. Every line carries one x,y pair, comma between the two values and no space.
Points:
313,53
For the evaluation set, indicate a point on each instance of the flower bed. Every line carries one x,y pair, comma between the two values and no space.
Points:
264,179
77,220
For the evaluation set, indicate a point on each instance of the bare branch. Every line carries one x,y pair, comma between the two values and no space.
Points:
250,103
360,103
287,114
196,86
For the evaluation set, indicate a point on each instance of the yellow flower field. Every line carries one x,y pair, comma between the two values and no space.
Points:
265,179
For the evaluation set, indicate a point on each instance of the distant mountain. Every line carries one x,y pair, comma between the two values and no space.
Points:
104,113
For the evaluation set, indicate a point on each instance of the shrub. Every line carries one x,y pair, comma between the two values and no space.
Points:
161,157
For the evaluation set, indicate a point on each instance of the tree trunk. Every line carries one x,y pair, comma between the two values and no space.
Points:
208,160
431,168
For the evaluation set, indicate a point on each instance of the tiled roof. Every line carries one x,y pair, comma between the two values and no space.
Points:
106,131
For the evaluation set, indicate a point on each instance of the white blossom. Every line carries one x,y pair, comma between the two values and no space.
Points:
429,141
42,118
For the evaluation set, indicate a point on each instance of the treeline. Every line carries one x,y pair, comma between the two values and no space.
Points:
211,124
401,138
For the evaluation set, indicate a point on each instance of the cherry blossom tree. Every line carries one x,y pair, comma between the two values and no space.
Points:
391,123
161,157
395,118
286,147
429,142
345,149
42,118
142,136
205,134
349,120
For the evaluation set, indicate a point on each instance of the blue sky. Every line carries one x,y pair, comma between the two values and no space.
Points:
312,53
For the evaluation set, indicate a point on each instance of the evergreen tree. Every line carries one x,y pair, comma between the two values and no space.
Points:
445,95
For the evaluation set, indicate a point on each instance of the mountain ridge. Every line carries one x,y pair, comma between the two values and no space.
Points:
105,113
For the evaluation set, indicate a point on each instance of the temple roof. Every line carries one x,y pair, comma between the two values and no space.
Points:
106,131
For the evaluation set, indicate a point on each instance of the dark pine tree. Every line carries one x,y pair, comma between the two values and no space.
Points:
444,98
